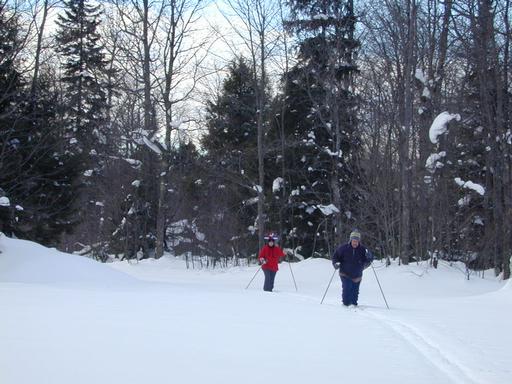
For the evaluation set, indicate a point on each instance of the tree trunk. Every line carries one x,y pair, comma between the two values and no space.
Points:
39,47
407,121
261,153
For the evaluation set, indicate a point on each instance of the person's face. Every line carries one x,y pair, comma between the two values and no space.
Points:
354,243
271,243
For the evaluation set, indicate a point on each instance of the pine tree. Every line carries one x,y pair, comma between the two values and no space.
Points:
321,124
232,155
36,176
231,117
85,71
85,75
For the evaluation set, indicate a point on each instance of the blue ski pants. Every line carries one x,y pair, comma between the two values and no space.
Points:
350,290
269,280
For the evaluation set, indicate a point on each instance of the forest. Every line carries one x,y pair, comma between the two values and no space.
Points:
132,128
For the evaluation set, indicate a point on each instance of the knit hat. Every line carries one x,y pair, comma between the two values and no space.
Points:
355,235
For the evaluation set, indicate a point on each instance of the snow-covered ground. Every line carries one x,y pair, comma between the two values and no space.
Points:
66,319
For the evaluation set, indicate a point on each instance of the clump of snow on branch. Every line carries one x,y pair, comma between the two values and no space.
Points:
433,161
151,145
333,154
478,220
328,209
420,76
5,202
251,201
134,163
439,125
321,16
464,201
277,184
470,185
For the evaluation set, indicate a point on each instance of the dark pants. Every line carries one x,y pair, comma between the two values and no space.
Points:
269,280
350,291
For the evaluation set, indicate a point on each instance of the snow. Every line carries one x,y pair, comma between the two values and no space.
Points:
433,161
5,202
470,185
438,127
464,201
277,184
420,76
134,163
67,319
320,16
328,209
333,154
478,220
151,145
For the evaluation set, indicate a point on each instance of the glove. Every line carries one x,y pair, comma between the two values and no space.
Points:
261,261
336,265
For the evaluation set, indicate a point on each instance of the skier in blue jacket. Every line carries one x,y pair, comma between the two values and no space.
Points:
351,259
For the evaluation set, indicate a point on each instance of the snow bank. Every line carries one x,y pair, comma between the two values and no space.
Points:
180,320
23,261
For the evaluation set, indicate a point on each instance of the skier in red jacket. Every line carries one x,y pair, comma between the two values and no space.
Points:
269,257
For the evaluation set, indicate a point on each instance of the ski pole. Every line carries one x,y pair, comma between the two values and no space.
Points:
253,277
293,277
378,282
330,281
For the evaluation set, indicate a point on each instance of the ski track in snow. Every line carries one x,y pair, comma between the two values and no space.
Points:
456,371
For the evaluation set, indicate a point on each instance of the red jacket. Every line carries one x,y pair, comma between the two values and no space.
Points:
271,255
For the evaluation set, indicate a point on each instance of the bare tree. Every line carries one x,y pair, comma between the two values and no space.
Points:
258,25
181,58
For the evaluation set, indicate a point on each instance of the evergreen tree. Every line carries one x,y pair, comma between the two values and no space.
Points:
36,176
85,71
321,125
232,158
86,116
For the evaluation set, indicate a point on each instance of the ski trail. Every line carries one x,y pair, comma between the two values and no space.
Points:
456,371
447,363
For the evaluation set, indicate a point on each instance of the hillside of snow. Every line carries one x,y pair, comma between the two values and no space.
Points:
67,319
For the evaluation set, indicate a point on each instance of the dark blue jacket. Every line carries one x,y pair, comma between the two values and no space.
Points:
352,260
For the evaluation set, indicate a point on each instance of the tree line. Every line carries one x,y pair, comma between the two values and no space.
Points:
131,128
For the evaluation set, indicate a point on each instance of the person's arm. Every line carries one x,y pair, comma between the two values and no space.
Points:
282,255
368,258
262,256
336,259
